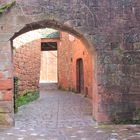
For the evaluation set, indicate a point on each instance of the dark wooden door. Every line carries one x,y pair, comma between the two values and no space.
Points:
80,76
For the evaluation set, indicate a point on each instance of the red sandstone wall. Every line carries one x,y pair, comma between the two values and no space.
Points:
68,53
27,60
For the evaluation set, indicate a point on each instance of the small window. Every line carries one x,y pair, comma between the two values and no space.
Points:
48,46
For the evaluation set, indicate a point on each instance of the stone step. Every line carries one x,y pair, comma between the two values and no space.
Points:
48,86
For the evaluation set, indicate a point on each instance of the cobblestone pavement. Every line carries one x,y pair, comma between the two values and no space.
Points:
59,115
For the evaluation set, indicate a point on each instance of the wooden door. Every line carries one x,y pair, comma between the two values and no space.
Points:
80,76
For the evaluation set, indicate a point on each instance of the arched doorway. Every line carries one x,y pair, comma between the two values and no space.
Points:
74,35
37,22
80,76
41,25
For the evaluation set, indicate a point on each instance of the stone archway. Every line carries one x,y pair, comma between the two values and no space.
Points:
39,25
96,26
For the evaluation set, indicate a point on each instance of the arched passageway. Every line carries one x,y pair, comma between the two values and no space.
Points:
77,110
66,45
115,61
27,54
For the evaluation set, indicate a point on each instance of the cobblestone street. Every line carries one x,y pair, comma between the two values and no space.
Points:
60,115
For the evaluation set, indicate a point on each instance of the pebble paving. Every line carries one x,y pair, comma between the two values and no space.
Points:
61,115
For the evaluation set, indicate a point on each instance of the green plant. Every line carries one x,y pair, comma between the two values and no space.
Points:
26,98
138,113
124,121
6,6
135,120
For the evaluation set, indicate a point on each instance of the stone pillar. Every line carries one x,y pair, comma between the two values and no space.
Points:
6,84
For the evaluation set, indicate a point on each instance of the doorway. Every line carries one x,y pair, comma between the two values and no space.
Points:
48,71
80,76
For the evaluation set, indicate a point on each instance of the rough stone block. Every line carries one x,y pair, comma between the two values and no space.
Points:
5,47
6,120
5,36
6,84
6,106
8,95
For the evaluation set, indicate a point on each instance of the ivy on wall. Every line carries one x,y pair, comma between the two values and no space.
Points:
6,6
